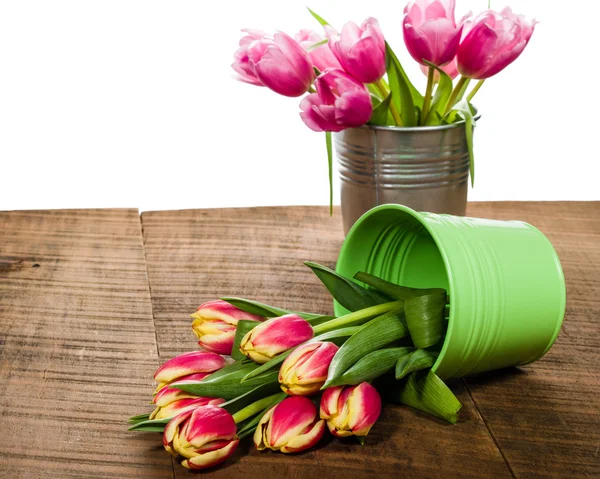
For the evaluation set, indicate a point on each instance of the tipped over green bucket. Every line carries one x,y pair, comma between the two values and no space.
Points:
504,281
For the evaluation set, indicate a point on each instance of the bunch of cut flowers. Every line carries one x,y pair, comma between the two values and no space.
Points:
351,78
284,378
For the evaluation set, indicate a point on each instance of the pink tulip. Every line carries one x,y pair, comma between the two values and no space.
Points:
350,410
322,57
275,336
169,402
290,426
451,69
242,64
494,42
188,366
304,371
430,31
360,50
214,325
281,64
204,437
340,102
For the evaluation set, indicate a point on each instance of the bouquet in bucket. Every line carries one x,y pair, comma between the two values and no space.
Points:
352,77
284,378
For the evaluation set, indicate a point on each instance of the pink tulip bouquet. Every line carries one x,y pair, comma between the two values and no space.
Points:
284,378
352,77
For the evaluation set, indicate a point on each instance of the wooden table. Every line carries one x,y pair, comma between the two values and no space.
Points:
91,301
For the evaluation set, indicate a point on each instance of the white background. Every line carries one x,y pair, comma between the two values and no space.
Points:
132,104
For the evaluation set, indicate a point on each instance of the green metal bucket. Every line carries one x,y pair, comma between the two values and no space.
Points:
504,281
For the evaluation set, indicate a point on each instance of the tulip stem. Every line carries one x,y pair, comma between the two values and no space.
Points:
357,316
454,95
311,89
428,93
475,90
380,84
255,408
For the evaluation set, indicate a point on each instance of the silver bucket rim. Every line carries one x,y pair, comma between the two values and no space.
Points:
416,129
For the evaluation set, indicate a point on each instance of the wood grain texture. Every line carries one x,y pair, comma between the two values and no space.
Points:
195,256
77,346
545,416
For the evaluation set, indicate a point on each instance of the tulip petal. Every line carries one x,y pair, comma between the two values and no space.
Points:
290,418
224,311
309,107
329,402
364,407
296,56
168,395
212,458
188,363
306,440
207,424
365,60
172,430
260,438
277,335
182,405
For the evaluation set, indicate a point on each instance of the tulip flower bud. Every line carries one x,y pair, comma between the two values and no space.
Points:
322,57
204,436
214,325
281,64
274,337
360,50
340,102
290,426
494,42
430,31
242,65
170,402
188,366
350,410
304,371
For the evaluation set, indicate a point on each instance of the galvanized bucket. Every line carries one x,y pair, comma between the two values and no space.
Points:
425,168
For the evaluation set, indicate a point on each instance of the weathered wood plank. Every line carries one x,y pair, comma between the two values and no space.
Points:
77,346
546,416
195,256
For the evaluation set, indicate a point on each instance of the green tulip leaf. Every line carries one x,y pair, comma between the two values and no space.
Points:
242,328
434,119
152,425
464,111
425,318
346,292
276,361
226,383
380,112
266,310
426,392
393,290
139,418
375,334
415,361
375,94
404,95
440,98
318,18
238,403
462,91
371,366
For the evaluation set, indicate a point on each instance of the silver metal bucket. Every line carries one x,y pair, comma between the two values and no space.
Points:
425,168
